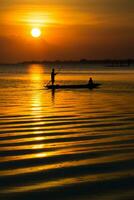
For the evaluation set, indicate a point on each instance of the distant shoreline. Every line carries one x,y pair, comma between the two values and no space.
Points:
106,62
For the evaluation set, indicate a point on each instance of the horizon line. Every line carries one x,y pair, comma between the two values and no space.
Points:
107,60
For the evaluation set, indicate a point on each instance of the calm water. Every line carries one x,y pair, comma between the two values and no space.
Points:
68,144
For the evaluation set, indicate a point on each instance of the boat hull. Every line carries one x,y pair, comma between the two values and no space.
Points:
88,86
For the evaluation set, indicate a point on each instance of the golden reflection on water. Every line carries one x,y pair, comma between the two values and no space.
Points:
39,138
66,181
82,129
41,155
36,103
36,73
38,146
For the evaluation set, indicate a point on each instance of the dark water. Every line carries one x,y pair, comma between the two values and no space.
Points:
68,144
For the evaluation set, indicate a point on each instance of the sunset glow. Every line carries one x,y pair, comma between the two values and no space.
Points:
94,30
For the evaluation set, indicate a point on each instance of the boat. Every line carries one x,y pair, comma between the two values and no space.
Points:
88,86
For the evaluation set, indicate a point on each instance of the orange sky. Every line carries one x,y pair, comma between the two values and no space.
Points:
71,29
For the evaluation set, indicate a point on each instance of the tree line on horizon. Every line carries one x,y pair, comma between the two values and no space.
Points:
106,62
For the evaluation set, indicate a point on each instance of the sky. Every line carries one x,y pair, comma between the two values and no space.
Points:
70,29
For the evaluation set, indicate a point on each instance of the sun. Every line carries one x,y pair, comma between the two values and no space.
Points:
36,32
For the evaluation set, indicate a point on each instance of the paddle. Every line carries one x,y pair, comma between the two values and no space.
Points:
48,83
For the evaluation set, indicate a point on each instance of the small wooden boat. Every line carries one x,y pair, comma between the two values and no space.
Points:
88,86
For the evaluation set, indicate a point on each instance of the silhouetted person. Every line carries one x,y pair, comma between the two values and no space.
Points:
53,76
90,82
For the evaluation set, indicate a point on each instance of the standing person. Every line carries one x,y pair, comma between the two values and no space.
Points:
53,76
90,82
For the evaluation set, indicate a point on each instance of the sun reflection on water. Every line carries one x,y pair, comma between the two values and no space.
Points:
36,73
38,146
41,155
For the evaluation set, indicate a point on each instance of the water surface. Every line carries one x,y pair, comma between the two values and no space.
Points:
66,144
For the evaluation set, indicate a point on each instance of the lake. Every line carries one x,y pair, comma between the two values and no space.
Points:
66,144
